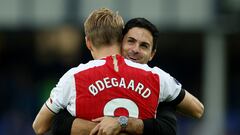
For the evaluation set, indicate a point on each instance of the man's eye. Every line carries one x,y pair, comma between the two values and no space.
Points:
144,46
130,41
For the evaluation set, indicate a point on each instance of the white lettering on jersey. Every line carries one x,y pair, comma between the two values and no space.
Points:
114,82
139,88
116,103
146,93
107,83
131,85
93,89
122,83
100,85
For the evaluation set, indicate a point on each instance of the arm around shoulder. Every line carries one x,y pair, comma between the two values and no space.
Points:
164,123
66,124
43,120
191,106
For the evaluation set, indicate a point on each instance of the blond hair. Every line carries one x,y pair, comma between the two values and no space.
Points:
104,27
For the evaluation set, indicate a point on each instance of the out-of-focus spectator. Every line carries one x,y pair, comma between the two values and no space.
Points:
59,44
31,63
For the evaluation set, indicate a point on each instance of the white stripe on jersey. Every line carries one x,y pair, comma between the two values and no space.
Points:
169,89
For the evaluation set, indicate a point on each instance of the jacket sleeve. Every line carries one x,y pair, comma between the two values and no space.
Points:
165,122
62,123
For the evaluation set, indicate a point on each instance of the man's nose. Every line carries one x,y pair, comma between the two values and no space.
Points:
135,49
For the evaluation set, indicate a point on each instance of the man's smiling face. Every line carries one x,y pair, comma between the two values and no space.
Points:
137,45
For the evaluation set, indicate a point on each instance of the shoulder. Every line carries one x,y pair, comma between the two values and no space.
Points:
145,67
82,67
90,64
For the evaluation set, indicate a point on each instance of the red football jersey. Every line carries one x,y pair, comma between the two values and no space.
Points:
113,86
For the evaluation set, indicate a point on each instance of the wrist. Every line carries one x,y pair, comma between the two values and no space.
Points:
123,122
135,126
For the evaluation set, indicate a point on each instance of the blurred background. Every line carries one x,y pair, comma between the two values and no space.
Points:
200,46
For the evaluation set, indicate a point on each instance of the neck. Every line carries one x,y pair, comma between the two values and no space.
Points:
106,51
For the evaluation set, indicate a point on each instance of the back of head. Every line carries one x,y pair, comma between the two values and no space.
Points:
104,27
143,23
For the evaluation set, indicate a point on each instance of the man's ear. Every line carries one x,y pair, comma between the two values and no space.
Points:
152,54
88,43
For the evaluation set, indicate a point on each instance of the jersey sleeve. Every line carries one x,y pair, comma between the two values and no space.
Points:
170,88
61,93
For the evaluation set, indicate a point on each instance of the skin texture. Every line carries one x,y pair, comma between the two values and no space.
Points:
137,45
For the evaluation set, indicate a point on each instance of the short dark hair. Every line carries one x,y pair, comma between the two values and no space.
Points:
143,23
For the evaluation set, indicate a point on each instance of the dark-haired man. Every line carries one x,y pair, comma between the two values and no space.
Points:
139,45
113,83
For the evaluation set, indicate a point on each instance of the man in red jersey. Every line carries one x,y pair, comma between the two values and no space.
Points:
109,81
139,45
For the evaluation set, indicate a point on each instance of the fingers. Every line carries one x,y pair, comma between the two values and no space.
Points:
98,119
94,130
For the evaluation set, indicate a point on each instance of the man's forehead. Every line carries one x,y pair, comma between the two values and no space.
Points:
141,35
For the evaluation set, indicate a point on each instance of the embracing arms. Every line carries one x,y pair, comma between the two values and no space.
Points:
191,106
43,121
163,124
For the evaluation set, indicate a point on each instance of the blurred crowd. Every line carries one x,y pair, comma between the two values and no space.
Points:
31,63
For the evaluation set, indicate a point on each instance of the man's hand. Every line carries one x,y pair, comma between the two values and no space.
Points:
106,126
